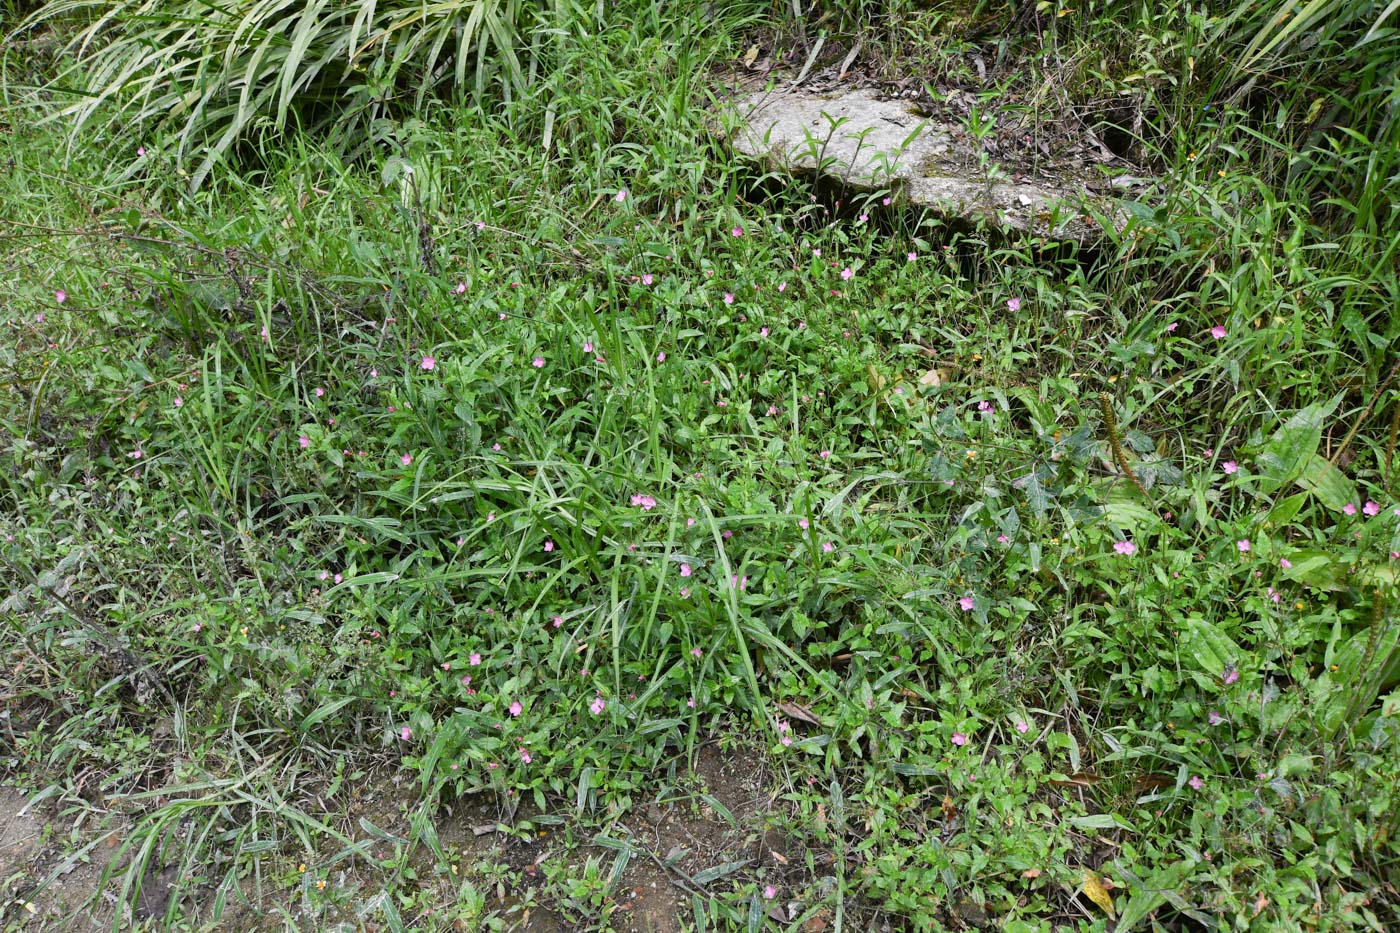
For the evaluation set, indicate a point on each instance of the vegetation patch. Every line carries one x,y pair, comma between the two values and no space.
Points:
513,510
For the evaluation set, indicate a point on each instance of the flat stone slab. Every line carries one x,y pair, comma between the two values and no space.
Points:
870,143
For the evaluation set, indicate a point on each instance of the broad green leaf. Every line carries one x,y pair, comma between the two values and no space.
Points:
1318,569
1326,482
1285,510
1210,648
1286,453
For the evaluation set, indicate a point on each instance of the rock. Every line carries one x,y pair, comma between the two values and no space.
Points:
868,143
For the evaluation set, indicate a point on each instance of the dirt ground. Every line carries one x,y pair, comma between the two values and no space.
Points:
640,872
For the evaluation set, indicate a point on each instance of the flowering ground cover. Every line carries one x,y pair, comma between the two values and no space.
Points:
470,532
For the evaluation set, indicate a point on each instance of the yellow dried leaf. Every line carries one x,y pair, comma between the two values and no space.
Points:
1097,893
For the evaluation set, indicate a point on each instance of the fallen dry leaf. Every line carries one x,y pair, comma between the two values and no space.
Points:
802,713
1097,893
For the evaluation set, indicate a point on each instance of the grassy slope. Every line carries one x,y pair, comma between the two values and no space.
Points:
913,481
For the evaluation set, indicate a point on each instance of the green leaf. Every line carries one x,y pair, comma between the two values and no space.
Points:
1208,646
1101,821
1286,453
1326,482
718,871
1318,569
1285,510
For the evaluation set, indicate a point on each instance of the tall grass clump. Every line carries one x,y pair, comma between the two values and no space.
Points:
195,77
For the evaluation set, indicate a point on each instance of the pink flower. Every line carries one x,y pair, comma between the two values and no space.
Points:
621,195
525,756
304,441
846,273
405,733
1243,545
729,298
548,546
1230,466
60,296
428,362
1125,547
828,547
1349,509
1218,332
1196,782
1371,508
1022,726
406,459
959,739
685,570
597,706
516,709
538,362
1013,304
770,892
967,603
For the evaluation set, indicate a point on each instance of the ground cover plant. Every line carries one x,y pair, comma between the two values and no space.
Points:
532,461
